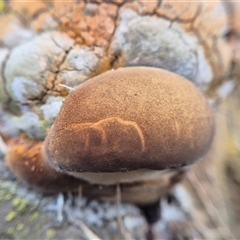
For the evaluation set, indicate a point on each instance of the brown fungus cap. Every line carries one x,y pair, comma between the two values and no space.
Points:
26,161
130,119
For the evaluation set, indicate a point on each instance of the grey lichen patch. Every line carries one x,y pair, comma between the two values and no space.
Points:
30,66
157,42
33,74
51,108
209,23
81,63
27,77
6,125
29,123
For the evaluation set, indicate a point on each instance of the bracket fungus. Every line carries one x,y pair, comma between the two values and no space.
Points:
139,127
127,126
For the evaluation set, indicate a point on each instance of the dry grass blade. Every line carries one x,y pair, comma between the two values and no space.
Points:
209,207
90,235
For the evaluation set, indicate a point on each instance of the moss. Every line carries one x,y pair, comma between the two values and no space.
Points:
20,204
4,193
33,217
51,233
2,5
20,227
8,196
16,201
10,216
6,235
21,231
10,230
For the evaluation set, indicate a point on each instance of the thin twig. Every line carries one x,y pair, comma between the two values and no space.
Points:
67,87
79,197
125,234
60,205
